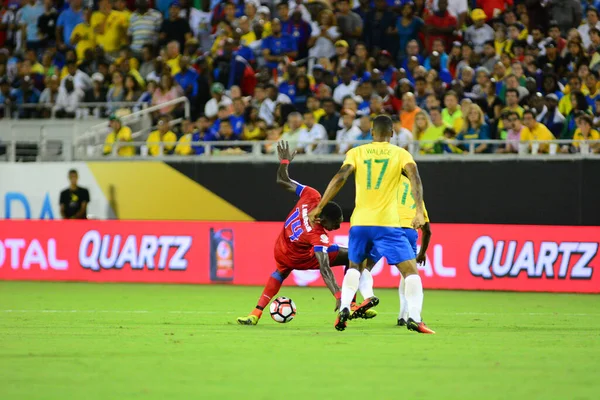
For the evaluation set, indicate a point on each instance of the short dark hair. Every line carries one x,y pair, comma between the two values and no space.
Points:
420,79
383,125
435,109
72,171
451,93
592,9
530,111
332,211
515,91
327,100
574,76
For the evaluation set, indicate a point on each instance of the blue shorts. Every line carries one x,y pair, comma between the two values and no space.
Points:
411,234
388,242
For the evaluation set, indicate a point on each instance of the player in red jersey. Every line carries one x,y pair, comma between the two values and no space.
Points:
302,245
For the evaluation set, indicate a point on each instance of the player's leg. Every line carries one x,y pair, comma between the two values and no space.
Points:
393,244
269,292
365,284
412,235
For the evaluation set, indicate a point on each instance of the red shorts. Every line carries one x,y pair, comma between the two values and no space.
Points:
288,264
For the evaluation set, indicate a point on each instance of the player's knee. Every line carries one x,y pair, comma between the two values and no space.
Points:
408,268
280,276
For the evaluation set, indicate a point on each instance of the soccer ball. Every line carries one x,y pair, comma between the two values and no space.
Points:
283,310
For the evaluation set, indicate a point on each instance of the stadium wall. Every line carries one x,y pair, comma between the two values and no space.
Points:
472,257
495,192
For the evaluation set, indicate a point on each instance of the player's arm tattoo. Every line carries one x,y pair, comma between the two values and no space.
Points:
283,179
326,272
337,182
417,187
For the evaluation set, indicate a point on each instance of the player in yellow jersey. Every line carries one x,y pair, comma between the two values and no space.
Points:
375,222
406,210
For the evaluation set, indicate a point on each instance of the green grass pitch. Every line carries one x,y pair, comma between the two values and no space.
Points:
117,341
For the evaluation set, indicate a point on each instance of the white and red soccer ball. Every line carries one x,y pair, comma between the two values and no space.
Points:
282,310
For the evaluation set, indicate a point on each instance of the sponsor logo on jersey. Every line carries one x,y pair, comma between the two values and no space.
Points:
324,238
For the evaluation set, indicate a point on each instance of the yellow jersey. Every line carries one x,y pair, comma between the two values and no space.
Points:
169,141
407,208
115,28
124,135
173,63
578,136
378,167
184,145
87,41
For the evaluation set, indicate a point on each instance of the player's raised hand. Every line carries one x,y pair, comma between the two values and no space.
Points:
283,151
418,221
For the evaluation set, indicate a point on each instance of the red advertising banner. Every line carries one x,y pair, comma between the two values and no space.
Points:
472,257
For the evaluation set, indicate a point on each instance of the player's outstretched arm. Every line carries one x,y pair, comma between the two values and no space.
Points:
425,239
285,157
337,182
328,277
412,172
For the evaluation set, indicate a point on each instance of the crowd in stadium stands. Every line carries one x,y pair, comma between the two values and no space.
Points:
447,71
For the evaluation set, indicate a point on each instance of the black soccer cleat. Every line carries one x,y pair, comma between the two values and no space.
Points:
340,321
361,311
401,322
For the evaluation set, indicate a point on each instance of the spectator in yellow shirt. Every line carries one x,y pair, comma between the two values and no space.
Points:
314,105
248,36
452,114
565,105
184,146
110,26
173,57
121,6
117,139
163,140
584,133
83,36
535,131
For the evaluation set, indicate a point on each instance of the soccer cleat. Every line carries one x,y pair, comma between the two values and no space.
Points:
369,314
340,321
401,322
420,327
361,311
249,320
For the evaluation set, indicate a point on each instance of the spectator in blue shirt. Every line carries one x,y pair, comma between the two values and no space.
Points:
475,128
436,64
26,94
302,92
67,20
283,12
187,78
202,135
237,118
301,31
365,130
278,46
30,13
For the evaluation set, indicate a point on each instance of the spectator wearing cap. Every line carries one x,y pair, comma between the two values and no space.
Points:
385,65
97,93
162,141
535,131
348,133
479,33
440,25
347,86
81,80
144,26
408,27
377,24
110,27
350,23
324,41
585,132
119,139
550,116
211,108
68,19
175,28
279,46
592,21
83,36
552,58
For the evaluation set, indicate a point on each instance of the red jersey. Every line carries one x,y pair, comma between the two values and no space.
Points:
441,21
296,245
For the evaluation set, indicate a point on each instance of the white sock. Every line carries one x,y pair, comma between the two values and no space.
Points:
365,285
414,296
349,287
403,303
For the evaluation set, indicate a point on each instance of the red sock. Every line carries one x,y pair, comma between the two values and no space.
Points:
270,290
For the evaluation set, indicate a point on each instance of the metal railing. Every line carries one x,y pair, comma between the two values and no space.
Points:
249,151
140,121
83,110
